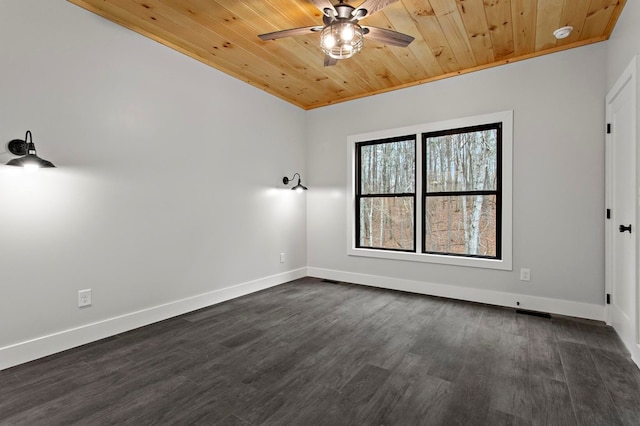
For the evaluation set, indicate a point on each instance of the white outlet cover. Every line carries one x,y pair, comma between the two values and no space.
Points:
84,298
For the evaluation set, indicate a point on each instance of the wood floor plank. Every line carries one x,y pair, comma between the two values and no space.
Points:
593,405
471,392
568,331
30,396
357,396
417,397
446,342
511,390
621,377
511,394
316,405
551,402
233,420
60,405
498,418
629,417
603,337
591,400
544,357
138,405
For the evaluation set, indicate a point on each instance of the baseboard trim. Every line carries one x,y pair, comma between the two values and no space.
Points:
635,353
30,350
532,303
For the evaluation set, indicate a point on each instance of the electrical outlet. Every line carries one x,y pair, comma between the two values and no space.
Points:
525,274
84,298
282,257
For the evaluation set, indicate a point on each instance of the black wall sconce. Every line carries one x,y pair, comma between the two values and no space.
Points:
26,148
299,187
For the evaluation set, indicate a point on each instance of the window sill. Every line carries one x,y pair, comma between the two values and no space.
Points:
503,264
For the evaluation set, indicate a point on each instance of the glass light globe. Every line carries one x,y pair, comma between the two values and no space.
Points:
342,39
347,33
328,42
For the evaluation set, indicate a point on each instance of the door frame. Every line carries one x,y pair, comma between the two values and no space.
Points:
628,76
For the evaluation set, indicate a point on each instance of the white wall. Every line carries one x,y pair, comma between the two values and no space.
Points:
558,181
624,42
168,183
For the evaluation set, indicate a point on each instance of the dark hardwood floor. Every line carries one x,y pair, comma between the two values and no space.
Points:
317,353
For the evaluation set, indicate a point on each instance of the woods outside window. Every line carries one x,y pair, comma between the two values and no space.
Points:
438,192
461,187
386,194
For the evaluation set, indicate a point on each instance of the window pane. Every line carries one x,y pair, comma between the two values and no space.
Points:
388,168
387,222
462,161
461,225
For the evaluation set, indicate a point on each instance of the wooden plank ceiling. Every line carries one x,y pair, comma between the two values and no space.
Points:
451,37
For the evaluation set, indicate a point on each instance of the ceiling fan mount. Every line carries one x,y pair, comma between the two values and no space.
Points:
342,36
343,10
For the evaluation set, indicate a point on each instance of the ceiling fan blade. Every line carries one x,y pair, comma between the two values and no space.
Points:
370,7
329,61
325,7
289,33
390,37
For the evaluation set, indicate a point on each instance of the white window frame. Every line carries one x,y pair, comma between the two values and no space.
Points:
504,117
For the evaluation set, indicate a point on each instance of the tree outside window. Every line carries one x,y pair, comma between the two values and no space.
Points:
386,194
462,200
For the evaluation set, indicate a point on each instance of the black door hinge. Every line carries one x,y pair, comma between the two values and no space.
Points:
608,213
608,128
608,299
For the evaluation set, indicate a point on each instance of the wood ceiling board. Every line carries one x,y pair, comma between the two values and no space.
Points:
423,63
451,23
574,14
524,15
500,20
374,6
475,22
452,37
547,21
431,34
408,63
614,17
598,17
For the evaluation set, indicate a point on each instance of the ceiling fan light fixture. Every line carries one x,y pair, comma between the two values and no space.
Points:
341,36
342,39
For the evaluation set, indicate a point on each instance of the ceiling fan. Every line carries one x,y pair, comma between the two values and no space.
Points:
341,36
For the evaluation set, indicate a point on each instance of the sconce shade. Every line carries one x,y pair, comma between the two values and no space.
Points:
299,186
19,147
30,160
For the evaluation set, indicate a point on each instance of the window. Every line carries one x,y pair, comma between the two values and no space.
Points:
385,194
462,197
437,192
